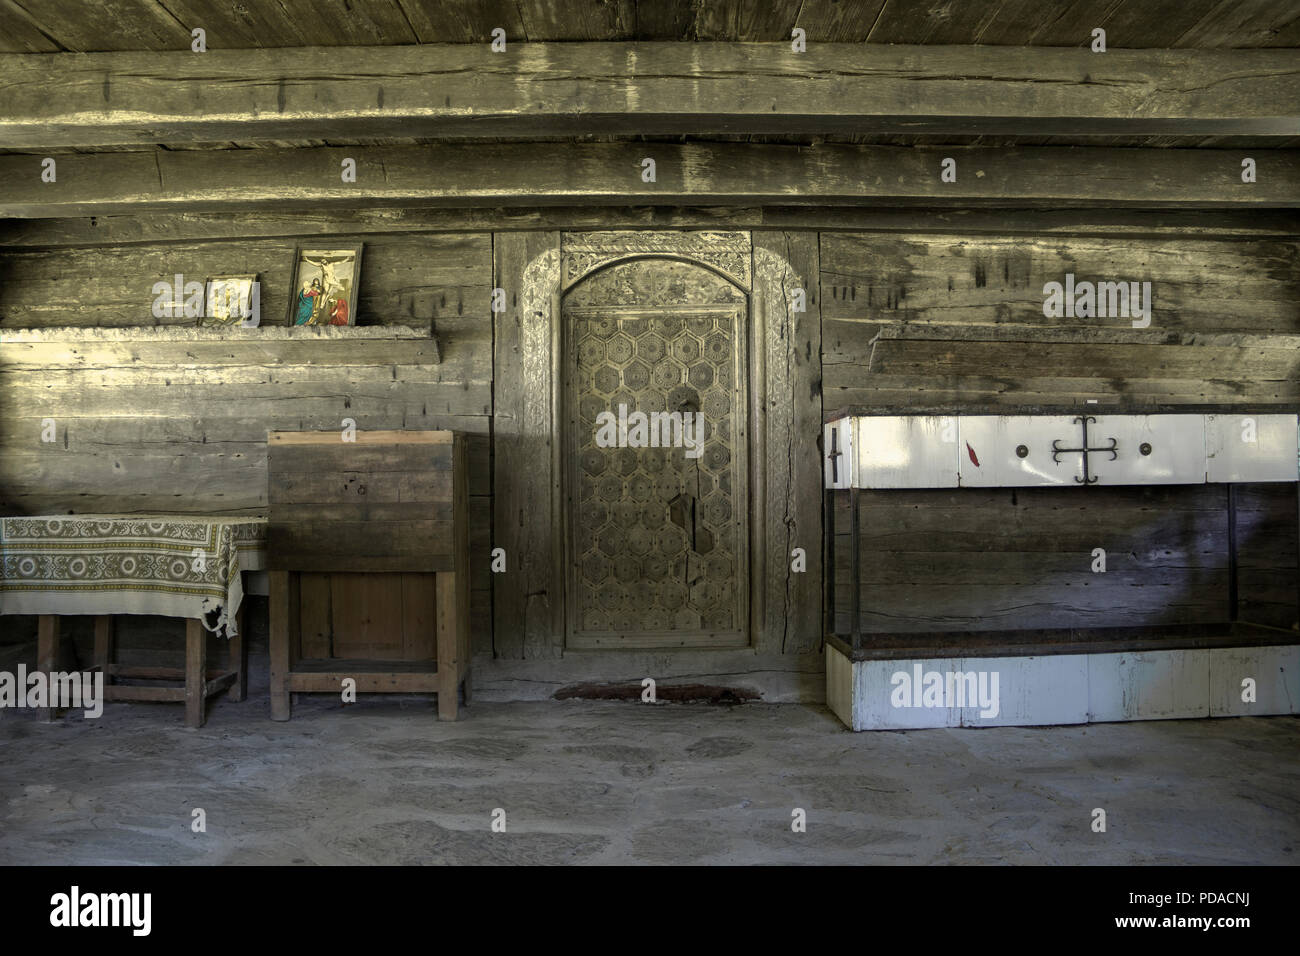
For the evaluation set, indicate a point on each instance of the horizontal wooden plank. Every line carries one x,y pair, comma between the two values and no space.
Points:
282,405
996,284
1079,360
642,89
151,228
361,488
1047,500
852,341
952,395
156,433
288,359
513,174
314,560
387,458
144,693
290,514
1020,642
329,442
331,682
1070,570
330,544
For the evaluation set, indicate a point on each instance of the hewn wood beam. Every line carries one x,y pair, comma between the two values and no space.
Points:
86,100
251,224
610,174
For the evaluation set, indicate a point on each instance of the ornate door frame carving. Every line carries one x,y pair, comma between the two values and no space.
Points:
538,342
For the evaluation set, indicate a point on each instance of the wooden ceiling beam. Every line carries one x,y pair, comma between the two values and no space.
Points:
86,100
611,174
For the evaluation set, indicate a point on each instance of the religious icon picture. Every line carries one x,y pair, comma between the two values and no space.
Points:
231,300
324,286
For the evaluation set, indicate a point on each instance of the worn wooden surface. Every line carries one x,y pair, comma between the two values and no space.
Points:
420,280
384,504
196,670
783,263
609,174
390,625
153,25
173,419
954,321
528,594
669,563
283,609
195,226
652,88
368,616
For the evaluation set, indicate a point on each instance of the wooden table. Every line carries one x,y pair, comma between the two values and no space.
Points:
168,565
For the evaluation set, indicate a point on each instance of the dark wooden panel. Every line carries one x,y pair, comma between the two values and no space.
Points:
332,539
367,616
316,560
986,559
833,21
114,25
20,33
419,617
414,461
341,531
299,23
457,21
316,615
1267,531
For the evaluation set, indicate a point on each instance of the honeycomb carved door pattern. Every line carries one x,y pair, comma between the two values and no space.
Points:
657,530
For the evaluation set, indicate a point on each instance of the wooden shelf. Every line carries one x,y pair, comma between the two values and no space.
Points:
193,333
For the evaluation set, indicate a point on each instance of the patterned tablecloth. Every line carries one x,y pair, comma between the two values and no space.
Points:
171,565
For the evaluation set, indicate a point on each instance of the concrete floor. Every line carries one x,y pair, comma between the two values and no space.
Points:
382,781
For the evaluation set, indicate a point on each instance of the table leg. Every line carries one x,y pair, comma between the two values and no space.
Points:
104,646
196,672
237,657
448,664
283,605
47,655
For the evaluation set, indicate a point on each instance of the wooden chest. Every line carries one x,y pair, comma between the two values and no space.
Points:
367,546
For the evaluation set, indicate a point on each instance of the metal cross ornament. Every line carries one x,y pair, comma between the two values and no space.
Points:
1112,448
835,454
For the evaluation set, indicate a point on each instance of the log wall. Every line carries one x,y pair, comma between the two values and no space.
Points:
148,420
931,321
919,312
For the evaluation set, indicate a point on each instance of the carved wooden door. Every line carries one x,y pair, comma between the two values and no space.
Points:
657,459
